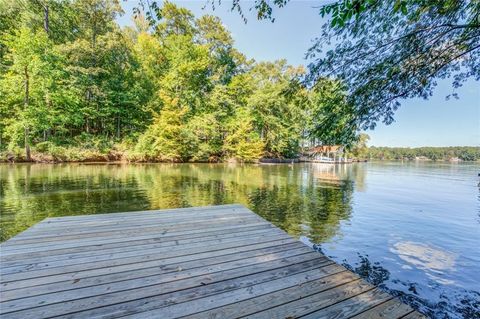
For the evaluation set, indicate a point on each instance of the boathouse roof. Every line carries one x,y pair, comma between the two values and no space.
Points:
325,149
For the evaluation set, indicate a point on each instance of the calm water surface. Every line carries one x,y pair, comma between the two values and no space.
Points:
412,228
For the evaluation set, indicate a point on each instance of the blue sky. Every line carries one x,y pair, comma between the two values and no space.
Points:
433,122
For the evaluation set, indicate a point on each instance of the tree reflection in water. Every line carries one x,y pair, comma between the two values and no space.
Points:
312,211
303,200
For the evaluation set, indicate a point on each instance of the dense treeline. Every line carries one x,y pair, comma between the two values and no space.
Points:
76,86
464,153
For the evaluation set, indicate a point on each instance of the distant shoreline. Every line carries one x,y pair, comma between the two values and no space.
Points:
126,162
113,155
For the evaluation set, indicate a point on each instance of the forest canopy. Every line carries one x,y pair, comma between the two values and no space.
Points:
74,85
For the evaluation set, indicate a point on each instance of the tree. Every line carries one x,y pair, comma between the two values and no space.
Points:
206,132
152,66
75,86
96,17
24,85
102,71
166,139
331,117
387,51
242,142
212,34
174,20
360,148
185,126
277,114
397,49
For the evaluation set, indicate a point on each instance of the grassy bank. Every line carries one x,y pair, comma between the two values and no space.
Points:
47,152
60,154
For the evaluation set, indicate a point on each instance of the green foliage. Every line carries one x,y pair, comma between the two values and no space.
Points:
342,11
359,149
388,51
206,137
78,75
213,104
25,86
242,142
264,8
332,117
277,114
396,49
77,87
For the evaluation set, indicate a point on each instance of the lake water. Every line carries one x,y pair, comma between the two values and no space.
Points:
412,228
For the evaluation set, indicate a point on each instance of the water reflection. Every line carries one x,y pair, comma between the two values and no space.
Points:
303,200
428,258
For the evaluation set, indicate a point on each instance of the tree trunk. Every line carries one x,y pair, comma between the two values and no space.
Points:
45,18
118,126
25,106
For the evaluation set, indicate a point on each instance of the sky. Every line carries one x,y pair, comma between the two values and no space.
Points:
433,122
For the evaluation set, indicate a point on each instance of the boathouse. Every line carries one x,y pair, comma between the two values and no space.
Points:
326,153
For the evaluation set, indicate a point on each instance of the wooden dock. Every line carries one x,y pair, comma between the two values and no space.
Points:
203,262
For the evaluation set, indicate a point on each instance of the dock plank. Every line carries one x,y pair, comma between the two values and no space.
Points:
130,241
190,267
60,241
63,231
198,262
108,256
257,287
392,308
141,264
146,287
69,254
277,298
352,306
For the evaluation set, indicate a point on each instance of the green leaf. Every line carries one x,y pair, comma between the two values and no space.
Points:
397,5
334,22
